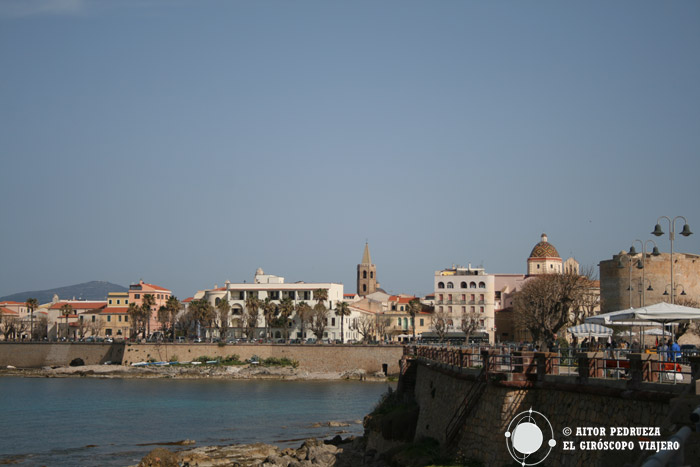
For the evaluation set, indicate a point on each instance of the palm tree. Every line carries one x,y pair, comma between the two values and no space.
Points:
286,309
32,304
224,309
414,307
304,313
147,305
342,309
66,310
269,310
134,313
251,311
173,307
321,295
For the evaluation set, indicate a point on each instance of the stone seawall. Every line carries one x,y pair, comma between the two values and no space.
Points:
482,437
319,358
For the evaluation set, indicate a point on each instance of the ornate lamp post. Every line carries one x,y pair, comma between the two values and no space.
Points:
671,234
640,265
621,265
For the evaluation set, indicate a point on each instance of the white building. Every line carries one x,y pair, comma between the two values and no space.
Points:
273,287
460,290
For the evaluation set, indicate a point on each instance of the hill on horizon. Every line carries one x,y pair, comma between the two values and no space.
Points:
93,290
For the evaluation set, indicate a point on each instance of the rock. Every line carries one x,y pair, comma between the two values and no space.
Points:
159,457
337,424
10,367
77,362
186,442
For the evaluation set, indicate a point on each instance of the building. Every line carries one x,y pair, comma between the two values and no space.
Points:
460,290
160,297
273,287
81,322
366,275
114,318
628,281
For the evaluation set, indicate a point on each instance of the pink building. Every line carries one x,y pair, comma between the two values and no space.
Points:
160,296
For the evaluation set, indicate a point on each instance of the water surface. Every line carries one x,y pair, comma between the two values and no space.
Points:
79,421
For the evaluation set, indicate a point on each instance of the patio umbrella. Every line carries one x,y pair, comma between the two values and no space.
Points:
658,332
590,330
663,313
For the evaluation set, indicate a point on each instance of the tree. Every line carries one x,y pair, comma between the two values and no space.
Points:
163,318
286,308
32,304
223,309
82,326
544,304
173,307
203,313
321,295
588,301
692,326
9,326
439,322
382,324
147,307
252,304
304,313
95,327
364,326
269,312
66,310
320,320
469,324
414,307
135,314
41,331
342,309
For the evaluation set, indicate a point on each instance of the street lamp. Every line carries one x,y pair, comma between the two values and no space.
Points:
671,234
640,265
673,291
621,265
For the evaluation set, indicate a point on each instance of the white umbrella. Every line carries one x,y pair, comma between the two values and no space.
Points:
663,313
658,332
590,330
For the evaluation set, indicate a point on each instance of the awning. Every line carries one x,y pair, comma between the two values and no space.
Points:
590,330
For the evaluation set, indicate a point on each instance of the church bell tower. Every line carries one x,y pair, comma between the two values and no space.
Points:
366,274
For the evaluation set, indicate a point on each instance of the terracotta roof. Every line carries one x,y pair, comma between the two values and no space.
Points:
348,295
188,300
405,299
114,309
153,286
80,305
393,298
10,302
7,311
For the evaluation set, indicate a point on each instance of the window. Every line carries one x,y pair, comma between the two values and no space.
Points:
109,318
473,297
441,285
472,309
120,319
449,309
482,285
464,297
538,266
364,287
481,309
371,274
481,323
137,296
126,302
364,274
464,309
440,310
399,321
93,318
463,285
126,318
217,301
441,295
472,285
332,321
449,296
481,297
450,285
119,302
422,323
110,301
108,332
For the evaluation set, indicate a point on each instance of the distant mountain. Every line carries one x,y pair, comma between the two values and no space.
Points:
94,290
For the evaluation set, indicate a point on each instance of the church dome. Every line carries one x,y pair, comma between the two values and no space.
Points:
544,249
259,272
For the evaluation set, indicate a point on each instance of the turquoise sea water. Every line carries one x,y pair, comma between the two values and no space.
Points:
74,421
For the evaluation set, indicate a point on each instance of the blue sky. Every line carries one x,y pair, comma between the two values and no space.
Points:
187,143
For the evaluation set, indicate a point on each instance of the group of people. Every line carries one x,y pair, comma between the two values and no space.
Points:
671,350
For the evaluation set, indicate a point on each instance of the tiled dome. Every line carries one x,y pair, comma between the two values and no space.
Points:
544,249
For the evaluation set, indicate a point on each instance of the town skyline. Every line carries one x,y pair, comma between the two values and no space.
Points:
191,143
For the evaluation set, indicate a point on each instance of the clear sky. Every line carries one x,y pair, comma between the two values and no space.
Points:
191,142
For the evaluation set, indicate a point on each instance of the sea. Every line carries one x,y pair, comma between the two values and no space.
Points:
115,422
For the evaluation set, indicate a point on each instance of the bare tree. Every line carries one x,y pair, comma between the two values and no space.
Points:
382,324
95,327
688,326
469,324
8,326
588,301
365,326
438,321
544,304
320,320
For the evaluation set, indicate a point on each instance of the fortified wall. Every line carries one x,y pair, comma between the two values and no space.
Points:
322,358
469,414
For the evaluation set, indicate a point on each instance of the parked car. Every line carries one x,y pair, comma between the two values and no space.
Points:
311,340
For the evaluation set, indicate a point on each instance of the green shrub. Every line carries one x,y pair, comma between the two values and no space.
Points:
203,359
233,359
174,358
284,361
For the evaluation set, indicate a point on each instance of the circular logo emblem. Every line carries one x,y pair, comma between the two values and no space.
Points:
525,438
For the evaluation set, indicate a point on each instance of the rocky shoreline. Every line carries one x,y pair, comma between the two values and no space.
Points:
336,452
193,372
